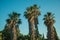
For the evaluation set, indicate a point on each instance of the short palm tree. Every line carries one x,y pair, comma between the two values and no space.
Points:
49,22
13,25
31,14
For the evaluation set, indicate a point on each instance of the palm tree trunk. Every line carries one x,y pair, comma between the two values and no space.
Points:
36,29
50,33
31,29
11,33
37,33
14,33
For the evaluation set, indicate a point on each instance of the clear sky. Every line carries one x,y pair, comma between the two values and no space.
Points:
19,6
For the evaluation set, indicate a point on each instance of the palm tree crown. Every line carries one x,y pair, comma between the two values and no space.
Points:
32,11
14,17
48,19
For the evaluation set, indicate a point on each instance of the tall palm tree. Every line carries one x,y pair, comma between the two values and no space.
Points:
31,14
36,13
49,22
13,24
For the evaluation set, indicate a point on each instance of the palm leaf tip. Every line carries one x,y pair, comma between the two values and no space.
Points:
49,13
8,20
43,18
35,5
18,21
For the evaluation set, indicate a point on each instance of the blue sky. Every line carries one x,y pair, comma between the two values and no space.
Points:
19,6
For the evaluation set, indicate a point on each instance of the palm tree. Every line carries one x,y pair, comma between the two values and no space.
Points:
36,14
49,22
13,24
31,14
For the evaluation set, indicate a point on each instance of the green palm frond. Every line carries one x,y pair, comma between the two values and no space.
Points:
49,17
32,11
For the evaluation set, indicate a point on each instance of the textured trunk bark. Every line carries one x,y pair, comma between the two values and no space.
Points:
11,29
36,33
50,33
11,33
14,33
31,28
36,29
